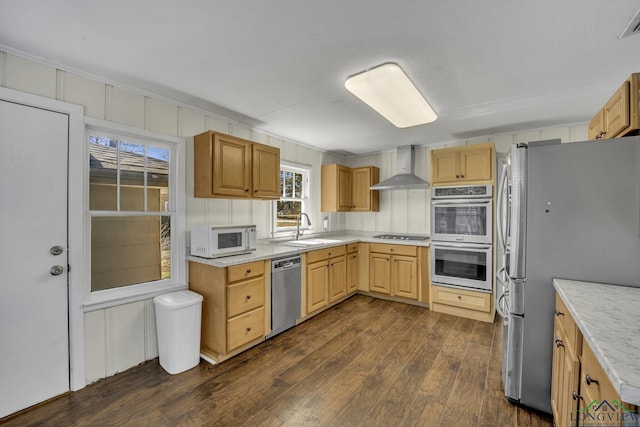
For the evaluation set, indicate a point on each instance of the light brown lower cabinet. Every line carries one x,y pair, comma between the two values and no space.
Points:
581,392
233,310
462,302
326,277
393,270
353,268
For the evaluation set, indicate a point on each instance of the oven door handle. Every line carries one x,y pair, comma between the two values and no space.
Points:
461,202
460,245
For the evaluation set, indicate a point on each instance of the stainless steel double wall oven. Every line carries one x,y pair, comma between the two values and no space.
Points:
461,237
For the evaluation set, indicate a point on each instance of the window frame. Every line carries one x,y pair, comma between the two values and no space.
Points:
95,300
306,171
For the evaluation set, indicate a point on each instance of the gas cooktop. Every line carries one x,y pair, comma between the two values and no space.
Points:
400,237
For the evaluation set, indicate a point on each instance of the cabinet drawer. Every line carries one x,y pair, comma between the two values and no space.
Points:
352,247
573,335
245,271
322,254
599,387
245,296
245,328
478,301
393,249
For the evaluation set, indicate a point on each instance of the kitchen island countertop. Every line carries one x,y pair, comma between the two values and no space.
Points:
608,317
271,248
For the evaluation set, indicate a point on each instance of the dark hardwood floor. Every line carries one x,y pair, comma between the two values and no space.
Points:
365,362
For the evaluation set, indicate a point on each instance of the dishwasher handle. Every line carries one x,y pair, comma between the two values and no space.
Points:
285,264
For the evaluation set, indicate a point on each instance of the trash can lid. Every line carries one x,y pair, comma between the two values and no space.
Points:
177,299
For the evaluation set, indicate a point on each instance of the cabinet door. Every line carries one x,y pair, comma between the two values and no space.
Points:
596,126
569,385
380,273
444,165
475,163
266,171
344,188
404,276
616,112
557,372
317,285
231,167
337,278
360,193
352,272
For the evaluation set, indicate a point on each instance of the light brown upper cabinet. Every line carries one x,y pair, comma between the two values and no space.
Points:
471,163
620,116
226,166
346,189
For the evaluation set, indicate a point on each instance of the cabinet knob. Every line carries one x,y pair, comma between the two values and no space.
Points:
576,396
559,342
248,328
461,176
589,380
459,297
559,313
329,253
248,297
248,271
457,176
246,190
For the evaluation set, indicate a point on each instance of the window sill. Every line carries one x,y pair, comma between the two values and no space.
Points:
107,299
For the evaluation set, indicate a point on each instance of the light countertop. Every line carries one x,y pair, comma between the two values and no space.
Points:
609,318
272,248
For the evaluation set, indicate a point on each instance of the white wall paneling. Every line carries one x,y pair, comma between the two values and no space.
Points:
3,71
28,76
125,336
86,92
150,331
161,117
126,107
95,346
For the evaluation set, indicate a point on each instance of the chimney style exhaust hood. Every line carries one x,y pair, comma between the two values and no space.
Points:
404,177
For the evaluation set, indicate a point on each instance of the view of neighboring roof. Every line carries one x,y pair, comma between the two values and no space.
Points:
106,157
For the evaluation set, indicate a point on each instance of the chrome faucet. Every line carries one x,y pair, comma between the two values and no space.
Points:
299,222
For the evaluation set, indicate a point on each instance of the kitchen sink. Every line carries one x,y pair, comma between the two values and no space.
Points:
310,242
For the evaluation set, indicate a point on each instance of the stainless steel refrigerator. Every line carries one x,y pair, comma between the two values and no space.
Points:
568,211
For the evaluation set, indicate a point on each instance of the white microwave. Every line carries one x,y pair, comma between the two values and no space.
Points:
213,241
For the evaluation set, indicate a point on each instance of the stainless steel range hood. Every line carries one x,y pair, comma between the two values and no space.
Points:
404,177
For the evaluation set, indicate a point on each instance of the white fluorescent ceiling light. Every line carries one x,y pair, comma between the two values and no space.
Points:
388,90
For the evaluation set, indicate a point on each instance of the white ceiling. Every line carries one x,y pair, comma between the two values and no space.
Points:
485,66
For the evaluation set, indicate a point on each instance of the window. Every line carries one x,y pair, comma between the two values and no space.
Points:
133,215
294,196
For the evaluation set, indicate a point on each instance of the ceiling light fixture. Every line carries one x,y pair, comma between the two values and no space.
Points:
388,90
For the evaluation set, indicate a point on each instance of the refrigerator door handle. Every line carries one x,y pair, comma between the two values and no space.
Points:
518,211
501,221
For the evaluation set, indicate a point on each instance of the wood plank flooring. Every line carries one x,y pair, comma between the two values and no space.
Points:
364,362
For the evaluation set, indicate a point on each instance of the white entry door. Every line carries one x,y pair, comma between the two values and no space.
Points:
34,332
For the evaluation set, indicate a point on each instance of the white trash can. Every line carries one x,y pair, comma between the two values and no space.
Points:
178,319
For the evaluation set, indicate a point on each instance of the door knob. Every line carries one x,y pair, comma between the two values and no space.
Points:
56,270
56,250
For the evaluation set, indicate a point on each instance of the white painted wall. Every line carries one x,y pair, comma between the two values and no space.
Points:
120,337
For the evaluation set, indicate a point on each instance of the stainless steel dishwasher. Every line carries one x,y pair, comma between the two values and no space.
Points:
285,293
